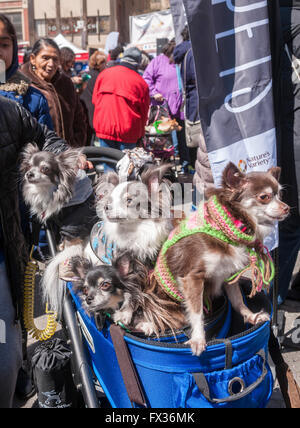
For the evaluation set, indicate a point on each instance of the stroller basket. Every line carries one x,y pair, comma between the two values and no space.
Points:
232,372
160,145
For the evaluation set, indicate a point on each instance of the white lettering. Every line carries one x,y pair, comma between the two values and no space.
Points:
250,105
2,332
245,66
241,9
296,333
248,27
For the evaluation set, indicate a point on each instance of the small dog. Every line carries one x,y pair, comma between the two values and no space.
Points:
48,180
165,125
202,261
132,221
118,289
136,214
100,287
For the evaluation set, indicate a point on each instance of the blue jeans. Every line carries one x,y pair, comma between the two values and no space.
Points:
116,144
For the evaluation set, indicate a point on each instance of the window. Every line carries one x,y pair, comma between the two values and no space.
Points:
40,28
16,19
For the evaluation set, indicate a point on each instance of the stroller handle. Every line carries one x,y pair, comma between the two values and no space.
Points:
106,152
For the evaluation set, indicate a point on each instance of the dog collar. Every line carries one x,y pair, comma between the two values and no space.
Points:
215,220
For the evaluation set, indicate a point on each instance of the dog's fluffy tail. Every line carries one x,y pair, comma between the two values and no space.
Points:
53,288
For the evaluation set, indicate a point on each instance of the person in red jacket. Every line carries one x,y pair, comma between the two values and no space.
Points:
121,99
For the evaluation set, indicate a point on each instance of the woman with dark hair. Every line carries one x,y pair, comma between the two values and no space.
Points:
66,111
17,87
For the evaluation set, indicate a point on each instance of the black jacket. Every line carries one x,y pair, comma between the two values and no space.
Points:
192,101
17,128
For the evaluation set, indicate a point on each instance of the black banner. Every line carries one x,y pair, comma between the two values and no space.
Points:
231,46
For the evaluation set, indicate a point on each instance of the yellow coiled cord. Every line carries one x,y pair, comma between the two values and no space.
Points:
29,290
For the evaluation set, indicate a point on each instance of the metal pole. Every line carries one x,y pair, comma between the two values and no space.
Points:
82,368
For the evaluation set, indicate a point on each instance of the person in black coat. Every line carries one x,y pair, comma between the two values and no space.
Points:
17,128
183,55
97,63
289,149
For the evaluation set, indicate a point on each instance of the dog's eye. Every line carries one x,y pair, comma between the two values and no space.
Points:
85,291
105,286
264,198
44,170
129,201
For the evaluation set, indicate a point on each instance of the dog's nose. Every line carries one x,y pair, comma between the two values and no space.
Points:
89,300
107,208
29,175
286,209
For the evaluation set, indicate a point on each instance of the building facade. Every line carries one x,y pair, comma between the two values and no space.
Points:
86,23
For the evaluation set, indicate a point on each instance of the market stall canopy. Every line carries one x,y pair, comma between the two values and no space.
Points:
62,42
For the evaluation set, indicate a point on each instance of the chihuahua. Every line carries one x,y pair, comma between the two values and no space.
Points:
48,180
201,262
118,289
136,214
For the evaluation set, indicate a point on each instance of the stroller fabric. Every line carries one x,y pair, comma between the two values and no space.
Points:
232,372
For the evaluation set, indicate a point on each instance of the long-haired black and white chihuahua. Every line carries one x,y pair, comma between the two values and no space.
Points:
136,214
118,289
48,179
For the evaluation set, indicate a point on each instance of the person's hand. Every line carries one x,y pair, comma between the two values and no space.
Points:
158,97
77,80
83,163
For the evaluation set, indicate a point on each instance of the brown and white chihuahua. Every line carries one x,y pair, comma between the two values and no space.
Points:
201,263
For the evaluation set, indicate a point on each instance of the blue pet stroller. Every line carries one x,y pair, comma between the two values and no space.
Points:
142,372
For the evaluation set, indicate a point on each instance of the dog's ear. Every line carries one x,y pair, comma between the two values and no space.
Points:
104,188
123,264
30,150
276,172
68,168
106,184
233,178
80,266
69,160
153,176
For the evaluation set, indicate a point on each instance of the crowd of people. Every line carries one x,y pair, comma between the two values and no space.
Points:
45,102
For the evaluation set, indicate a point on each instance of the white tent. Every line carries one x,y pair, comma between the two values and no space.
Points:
62,42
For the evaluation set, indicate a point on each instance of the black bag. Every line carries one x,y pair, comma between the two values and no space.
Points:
52,375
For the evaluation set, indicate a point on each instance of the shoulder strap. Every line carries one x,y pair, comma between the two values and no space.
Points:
127,367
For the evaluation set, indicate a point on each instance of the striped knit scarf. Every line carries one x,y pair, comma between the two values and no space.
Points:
215,220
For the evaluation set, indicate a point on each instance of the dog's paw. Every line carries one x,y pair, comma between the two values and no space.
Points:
198,346
260,317
146,328
123,317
